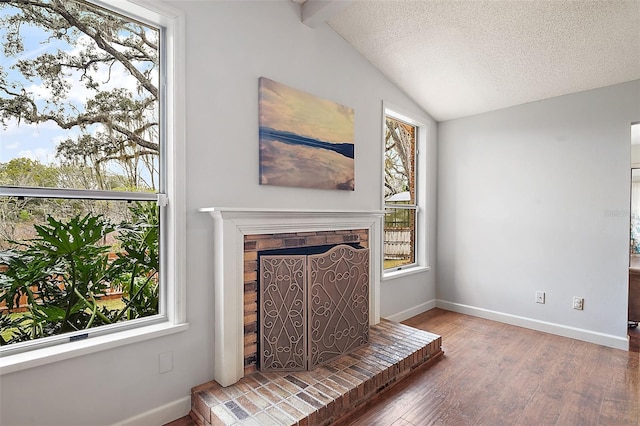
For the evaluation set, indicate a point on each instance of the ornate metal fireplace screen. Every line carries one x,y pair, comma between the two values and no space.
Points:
314,306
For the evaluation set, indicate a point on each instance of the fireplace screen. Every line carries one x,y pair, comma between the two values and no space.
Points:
314,307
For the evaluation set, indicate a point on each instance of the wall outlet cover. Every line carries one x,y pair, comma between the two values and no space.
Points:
578,303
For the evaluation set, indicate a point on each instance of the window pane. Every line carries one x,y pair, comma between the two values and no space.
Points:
400,189
76,115
399,237
399,162
69,265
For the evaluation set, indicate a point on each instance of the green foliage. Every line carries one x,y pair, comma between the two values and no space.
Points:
24,215
66,270
27,172
139,260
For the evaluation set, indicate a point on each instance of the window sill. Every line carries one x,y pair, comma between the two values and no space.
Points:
390,275
48,355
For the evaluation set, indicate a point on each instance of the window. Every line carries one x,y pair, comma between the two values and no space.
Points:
403,221
89,212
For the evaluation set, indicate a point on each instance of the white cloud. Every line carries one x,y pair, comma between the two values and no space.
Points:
12,128
39,90
31,141
19,129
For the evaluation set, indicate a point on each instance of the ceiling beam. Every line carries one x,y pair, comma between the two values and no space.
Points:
316,12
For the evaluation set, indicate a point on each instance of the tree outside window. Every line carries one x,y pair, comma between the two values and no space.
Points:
399,194
80,169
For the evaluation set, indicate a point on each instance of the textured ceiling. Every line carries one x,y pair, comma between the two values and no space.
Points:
459,58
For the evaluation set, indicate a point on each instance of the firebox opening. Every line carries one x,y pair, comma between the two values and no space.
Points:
305,250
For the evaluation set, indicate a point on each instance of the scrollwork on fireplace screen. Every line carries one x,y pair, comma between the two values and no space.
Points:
338,296
313,308
283,315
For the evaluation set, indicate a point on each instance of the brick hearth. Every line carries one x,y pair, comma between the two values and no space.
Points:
325,394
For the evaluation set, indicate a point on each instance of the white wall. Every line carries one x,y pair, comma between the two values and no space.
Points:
536,197
230,45
635,145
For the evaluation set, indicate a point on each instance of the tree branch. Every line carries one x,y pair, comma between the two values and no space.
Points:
97,36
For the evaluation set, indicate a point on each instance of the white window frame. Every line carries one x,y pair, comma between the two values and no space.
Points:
172,318
421,263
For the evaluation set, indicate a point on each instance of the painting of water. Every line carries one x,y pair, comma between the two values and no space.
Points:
305,141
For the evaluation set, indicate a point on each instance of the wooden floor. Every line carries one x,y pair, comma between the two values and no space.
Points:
498,374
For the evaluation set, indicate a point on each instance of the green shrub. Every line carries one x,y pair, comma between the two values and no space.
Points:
65,270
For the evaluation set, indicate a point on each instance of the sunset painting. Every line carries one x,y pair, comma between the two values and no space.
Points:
305,141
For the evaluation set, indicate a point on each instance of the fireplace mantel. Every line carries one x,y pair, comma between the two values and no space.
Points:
230,227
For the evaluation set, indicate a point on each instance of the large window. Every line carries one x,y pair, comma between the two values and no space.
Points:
401,196
84,166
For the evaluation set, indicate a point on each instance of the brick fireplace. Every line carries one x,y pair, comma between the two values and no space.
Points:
239,234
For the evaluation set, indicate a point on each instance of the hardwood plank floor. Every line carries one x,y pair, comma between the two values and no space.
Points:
498,374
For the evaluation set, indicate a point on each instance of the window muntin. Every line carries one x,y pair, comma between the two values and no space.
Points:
109,165
400,194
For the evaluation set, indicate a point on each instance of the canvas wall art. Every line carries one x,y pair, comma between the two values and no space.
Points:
305,141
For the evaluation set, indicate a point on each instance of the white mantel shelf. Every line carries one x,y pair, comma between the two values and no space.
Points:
231,224
296,212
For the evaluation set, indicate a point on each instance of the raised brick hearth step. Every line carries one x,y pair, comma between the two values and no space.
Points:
323,395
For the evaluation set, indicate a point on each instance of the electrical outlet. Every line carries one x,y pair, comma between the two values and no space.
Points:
578,303
540,297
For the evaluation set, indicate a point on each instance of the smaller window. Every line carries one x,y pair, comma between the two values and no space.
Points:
400,200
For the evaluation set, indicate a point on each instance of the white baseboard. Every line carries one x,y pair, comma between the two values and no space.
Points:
411,312
161,415
547,327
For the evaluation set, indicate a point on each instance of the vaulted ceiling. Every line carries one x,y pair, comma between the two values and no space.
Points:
459,58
